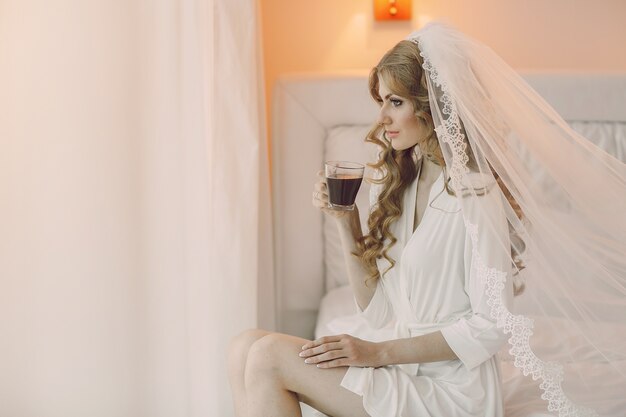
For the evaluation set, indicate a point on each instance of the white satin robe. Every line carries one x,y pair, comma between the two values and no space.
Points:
433,287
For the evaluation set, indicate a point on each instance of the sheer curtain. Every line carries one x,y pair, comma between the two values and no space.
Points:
134,204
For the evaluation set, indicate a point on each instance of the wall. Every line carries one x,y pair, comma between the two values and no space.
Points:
328,35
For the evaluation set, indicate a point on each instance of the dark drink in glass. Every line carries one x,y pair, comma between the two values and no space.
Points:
343,180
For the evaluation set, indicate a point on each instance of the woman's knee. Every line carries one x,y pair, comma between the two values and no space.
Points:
240,346
264,356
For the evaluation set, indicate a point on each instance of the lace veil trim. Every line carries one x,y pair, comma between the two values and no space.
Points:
519,327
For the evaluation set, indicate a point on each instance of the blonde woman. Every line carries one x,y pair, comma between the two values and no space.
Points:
438,259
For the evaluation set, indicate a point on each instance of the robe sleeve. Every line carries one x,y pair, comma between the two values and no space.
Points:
476,338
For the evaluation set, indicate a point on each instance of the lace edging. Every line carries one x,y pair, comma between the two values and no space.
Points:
519,327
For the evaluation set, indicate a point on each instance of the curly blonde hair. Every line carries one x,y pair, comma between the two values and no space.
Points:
401,69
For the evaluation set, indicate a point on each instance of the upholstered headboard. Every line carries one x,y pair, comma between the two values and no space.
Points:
314,113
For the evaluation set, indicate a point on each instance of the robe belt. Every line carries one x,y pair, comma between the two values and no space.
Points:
405,329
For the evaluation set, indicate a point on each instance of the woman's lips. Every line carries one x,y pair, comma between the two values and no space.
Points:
391,133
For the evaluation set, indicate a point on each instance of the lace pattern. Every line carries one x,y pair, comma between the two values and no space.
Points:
519,327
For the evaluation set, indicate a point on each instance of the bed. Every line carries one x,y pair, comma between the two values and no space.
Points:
319,117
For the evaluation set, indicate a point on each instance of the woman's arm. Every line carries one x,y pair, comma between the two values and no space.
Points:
346,350
430,347
350,231
349,225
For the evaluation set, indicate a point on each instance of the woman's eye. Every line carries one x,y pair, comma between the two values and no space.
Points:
395,102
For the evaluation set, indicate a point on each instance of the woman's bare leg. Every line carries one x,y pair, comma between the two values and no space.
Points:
237,357
276,379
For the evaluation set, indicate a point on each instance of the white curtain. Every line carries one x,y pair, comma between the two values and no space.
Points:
134,204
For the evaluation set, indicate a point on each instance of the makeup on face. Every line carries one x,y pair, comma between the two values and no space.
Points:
397,116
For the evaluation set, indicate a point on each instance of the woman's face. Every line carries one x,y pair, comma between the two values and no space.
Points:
397,115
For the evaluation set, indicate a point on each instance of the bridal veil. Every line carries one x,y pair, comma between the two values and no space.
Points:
565,205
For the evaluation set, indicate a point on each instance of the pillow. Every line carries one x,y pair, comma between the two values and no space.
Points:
346,143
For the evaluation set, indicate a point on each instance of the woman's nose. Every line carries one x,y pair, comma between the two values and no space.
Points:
383,118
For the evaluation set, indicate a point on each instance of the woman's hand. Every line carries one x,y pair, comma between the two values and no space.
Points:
342,350
320,200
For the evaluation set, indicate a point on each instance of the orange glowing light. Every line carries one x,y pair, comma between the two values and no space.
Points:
392,10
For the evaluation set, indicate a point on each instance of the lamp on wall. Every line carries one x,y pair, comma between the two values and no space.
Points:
392,10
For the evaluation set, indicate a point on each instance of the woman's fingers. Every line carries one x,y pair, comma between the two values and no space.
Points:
335,363
320,192
341,350
323,345
321,187
320,195
325,354
325,357
322,340
318,350
320,199
330,351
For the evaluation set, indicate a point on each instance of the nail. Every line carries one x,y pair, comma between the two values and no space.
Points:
307,361
301,354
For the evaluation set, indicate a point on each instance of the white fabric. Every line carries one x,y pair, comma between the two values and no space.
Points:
572,196
346,142
337,316
134,182
303,120
424,294
573,199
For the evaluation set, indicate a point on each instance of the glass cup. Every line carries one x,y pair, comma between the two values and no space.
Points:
343,180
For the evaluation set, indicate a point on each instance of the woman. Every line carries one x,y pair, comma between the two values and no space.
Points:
446,242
